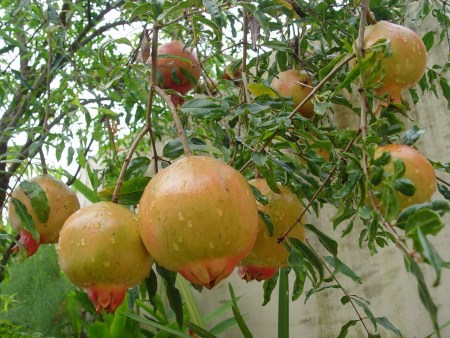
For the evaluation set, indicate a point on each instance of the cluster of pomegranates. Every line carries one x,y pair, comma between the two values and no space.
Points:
199,216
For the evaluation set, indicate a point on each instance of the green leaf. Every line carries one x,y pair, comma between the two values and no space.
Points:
173,294
366,309
268,287
204,109
295,262
383,321
223,326
431,255
38,199
309,255
198,330
329,243
445,89
154,324
212,7
259,158
151,283
259,196
237,314
258,89
405,186
177,6
189,302
130,192
283,305
267,221
428,40
316,290
345,327
390,203
339,266
86,191
412,135
424,294
427,220
439,206
444,190
25,218
137,167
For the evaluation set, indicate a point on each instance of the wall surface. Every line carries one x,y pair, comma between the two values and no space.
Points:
391,291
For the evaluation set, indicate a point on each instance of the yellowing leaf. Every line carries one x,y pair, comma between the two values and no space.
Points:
258,89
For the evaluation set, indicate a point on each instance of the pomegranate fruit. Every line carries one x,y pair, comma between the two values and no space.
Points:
417,168
198,217
298,85
267,255
175,73
62,203
100,249
405,66
232,74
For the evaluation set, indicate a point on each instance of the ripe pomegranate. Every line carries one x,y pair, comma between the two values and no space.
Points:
177,74
267,255
298,85
62,203
198,217
405,67
417,168
100,249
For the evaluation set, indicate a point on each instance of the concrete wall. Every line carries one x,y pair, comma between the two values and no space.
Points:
390,289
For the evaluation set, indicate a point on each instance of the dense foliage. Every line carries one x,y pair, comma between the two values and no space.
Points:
81,101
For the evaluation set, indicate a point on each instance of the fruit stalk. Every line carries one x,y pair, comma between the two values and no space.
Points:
176,118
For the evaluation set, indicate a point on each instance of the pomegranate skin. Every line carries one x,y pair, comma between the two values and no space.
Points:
170,70
62,202
417,168
298,85
100,249
198,217
267,255
406,66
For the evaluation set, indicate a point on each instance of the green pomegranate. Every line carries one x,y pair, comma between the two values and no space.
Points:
100,250
198,217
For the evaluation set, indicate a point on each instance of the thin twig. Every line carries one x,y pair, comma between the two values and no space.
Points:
178,124
218,53
116,193
244,59
443,181
318,191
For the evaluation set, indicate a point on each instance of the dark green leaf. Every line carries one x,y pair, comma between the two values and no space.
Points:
268,287
427,220
390,203
130,192
283,305
383,321
173,294
198,330
441,207
329,243
445,89
259,158
345,327
151,282
295,262
25,218
431,255
309,255
204,109
259,196
444,190
405,186
339,266
223,326
314,290
366,310
137,167
428,40
412,135
267,221
38,199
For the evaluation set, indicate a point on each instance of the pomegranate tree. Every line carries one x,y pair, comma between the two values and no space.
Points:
267,255
297,85
60,201
100,250
404,66
198,217
176,69
417,169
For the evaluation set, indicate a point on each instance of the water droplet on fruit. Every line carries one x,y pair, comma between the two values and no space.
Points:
92,259
211,245
107,263
96,214
180,216
113,240
175,246
219,212
83,242
97,225
58,197
189,224
417,171
103,208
